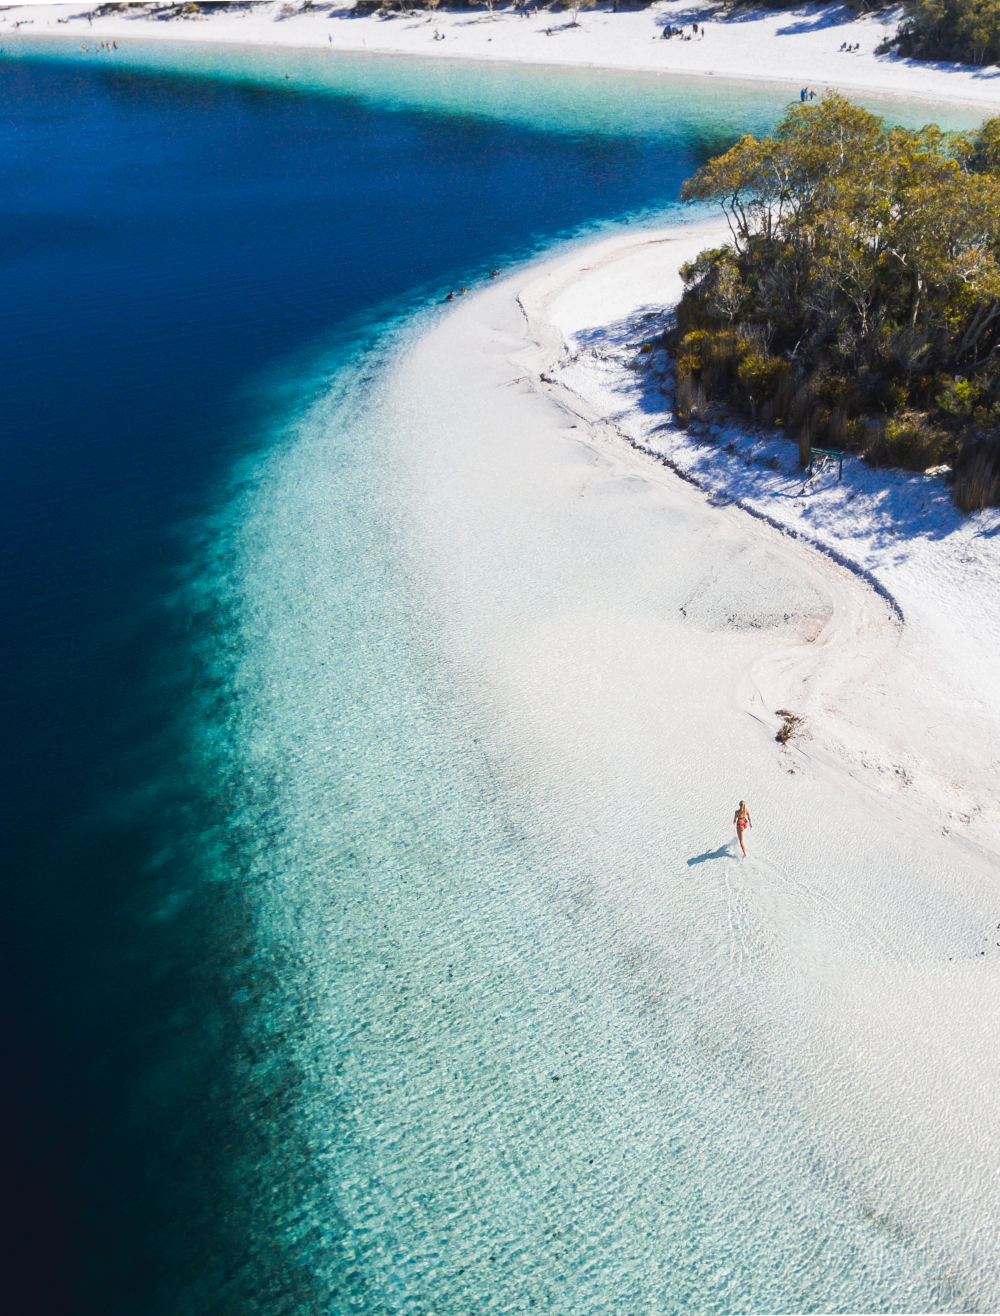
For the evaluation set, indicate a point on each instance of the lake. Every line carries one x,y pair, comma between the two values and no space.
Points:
310,1015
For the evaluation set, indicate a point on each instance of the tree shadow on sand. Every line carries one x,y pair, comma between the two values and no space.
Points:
819,21
900,508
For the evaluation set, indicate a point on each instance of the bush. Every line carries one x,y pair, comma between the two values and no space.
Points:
863,276
986,417
790,726
695,350
963,30
758,376
977,476
858,434
692,403
906,441
959,400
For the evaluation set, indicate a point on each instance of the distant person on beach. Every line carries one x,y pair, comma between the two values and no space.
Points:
742,821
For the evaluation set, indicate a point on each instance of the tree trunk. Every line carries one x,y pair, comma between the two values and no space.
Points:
805,442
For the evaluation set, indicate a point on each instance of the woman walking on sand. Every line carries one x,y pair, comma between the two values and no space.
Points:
742,821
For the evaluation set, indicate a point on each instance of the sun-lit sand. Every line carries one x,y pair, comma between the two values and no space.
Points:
624,644
915,719
800,46
617,635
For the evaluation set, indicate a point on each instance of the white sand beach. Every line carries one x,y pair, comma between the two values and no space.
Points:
621,608
622,643
921,735
800,46
913,712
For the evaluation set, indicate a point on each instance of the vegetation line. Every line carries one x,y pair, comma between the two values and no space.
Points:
858,302
967,31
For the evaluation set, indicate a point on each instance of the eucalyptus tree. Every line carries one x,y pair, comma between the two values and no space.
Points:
862,273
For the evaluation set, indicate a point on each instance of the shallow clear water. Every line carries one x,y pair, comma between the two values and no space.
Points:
561,1051
329,1001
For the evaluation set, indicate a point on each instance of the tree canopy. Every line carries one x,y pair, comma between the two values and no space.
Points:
862,279
967,31
964,30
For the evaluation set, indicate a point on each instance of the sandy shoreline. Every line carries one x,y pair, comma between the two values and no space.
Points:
579,600
796,47
910,718
613,634
931,757
920,737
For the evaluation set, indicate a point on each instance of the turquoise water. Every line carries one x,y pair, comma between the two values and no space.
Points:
604,103
330,1006
547,1060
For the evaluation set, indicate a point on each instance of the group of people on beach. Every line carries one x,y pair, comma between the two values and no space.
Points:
494,274
806,94
669,32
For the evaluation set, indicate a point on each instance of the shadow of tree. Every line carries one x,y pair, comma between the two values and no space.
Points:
979,72
751,459
832,16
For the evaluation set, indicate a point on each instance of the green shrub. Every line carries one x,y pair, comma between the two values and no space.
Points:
959,401
964,30
758,375
977,476
986,417
695,349
905,441
857,435
863,275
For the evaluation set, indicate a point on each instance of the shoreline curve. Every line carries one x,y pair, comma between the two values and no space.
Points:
588,367
730,48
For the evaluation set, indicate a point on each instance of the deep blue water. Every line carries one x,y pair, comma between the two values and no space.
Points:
163,241
182,259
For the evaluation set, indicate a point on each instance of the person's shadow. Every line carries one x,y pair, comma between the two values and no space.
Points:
721,853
